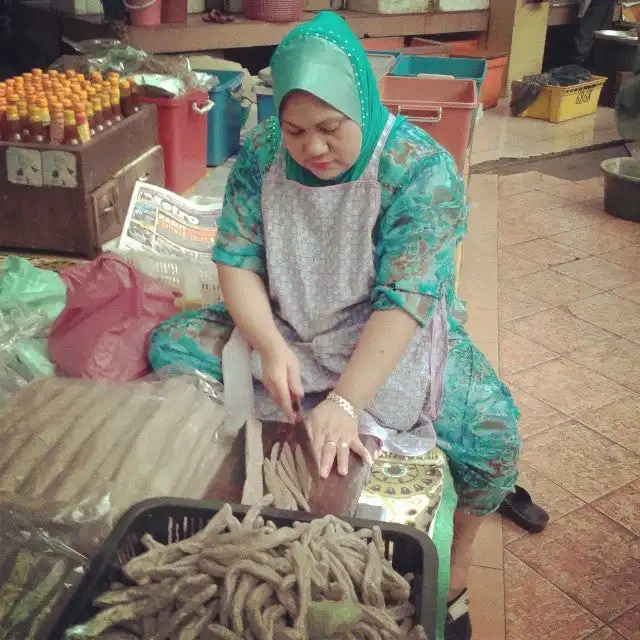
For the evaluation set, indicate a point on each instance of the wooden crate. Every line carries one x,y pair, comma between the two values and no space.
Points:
73,199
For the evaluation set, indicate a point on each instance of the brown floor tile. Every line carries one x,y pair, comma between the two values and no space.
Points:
561,217
546,252
630,292
517,352
567,387
514,304
537,609
580,460
628,624
552,287
487,547
524,203
490,352
558,331
598,273
590,240
518,183
622,228
556,501
606,633
477,292
610,312
617,421
483,218
486,603
582,192
511,266
535,415
510,233
590,558
629,257
482,324
623,506
617,359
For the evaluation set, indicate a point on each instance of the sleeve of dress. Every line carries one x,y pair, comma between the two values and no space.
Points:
417,238
239,241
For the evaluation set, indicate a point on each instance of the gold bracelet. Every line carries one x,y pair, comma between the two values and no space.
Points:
345,405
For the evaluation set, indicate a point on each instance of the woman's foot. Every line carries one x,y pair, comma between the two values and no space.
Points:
458,622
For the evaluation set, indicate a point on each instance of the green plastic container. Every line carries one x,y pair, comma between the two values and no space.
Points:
226,118
458,68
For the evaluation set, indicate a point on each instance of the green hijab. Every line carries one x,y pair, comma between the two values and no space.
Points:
324,58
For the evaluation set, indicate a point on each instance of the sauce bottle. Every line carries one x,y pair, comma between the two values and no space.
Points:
45,115
56,133
134,95
82,124
126,105
11,130
70,128
23,114
107,114
3,114
98,117
90,118
114,95
36,130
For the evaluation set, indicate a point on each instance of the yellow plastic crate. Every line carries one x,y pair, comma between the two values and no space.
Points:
558,104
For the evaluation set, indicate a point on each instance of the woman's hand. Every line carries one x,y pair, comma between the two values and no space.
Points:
335,435
281,376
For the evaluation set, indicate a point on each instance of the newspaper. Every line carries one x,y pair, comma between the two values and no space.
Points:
162,222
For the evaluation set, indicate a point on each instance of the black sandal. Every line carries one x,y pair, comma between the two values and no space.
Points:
458,623
520,509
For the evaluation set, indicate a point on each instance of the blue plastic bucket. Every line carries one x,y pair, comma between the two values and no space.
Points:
459,68
226,118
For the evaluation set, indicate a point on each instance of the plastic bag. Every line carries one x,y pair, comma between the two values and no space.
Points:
30,300
161,76
65,439
104,328
38,574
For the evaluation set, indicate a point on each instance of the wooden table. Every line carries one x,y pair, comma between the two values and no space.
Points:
337,495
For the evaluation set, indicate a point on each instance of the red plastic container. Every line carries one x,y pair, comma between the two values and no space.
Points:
182,131
493,81
174,10
456,46
444,108
144,13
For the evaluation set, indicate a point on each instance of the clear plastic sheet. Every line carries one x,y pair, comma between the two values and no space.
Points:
38,574
157,76
65,439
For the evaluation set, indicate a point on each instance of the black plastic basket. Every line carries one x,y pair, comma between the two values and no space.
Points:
169,520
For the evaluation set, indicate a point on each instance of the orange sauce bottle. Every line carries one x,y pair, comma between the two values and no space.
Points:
70,73
45,116
98,117
107,113
90,118
82,124
36,130
134,96
96,77
56,133
70,128
114,95
23,113
11,130
3,112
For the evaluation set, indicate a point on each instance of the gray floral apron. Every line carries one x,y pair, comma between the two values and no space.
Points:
320,263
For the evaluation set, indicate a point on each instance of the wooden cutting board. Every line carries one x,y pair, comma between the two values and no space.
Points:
337,495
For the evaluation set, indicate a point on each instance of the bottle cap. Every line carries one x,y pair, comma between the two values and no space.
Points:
12,112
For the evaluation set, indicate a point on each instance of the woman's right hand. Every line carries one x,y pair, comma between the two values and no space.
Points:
281,376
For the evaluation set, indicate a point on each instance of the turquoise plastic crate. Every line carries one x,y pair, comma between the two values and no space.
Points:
226,118
266,106
460,68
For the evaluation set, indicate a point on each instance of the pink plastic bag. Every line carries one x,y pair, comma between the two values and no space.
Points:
104,328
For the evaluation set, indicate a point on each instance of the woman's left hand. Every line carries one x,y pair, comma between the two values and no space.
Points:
335,435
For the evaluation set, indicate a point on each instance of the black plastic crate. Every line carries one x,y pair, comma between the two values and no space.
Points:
169,520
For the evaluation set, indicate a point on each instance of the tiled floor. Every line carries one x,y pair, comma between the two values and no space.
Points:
553,288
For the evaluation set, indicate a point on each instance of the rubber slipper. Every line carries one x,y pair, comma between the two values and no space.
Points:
458,623
521,510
